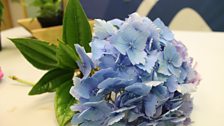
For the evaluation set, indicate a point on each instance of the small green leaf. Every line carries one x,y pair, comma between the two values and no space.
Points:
52,80
63,101
66,56
76,28
40,54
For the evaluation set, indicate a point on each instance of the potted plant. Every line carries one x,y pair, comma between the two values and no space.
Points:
50,12
1,14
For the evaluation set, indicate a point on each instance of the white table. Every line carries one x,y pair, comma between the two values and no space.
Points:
19,109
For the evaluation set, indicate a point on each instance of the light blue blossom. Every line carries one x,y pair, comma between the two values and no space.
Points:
103,29
172,84
170,61
113,84
151,60
121,64
132,43
165,32
116,22
100,48
86,64
83,89
150,104
95,114
139,89
132,37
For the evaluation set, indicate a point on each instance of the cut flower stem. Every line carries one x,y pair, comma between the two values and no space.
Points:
21,81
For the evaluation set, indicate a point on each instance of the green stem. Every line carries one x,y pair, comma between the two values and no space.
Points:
21,81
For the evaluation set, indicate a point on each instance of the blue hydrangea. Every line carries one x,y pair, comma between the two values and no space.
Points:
144,76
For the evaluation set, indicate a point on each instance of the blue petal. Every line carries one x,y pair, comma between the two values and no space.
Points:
84,88
134,36
137,56
104,73
172,84
132,116
123,109
78,108
164,30
108,84
183,76
119,124
90,114
100,105
86,63
76,120
115,118
101,47
73,92
92,123
150,104
103,29
169,52
133,101
161,92
116,22
163,68
120,44
177,60
167,34
150,62
150,124
174,71
139,89
112,84
97,47
187,105
107,61
129,73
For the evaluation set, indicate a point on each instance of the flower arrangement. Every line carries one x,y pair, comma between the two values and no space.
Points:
138,74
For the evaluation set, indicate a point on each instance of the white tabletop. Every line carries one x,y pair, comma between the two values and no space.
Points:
19,109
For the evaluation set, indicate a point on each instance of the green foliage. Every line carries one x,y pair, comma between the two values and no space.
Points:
48,8
66,56
76,25
51,81
39,53
63,102
61,60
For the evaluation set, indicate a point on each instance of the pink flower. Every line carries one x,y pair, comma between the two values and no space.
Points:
1,74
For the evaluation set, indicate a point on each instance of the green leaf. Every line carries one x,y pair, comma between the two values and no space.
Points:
40,54
63,101
52,80
76,28
66,56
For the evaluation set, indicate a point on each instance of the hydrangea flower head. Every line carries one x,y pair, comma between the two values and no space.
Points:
145,76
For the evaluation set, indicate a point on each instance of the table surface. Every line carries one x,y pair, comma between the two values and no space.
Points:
19,109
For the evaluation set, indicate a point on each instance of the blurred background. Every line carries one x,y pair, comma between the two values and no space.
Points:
194,15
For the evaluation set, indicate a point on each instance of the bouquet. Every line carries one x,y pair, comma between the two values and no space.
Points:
137,74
